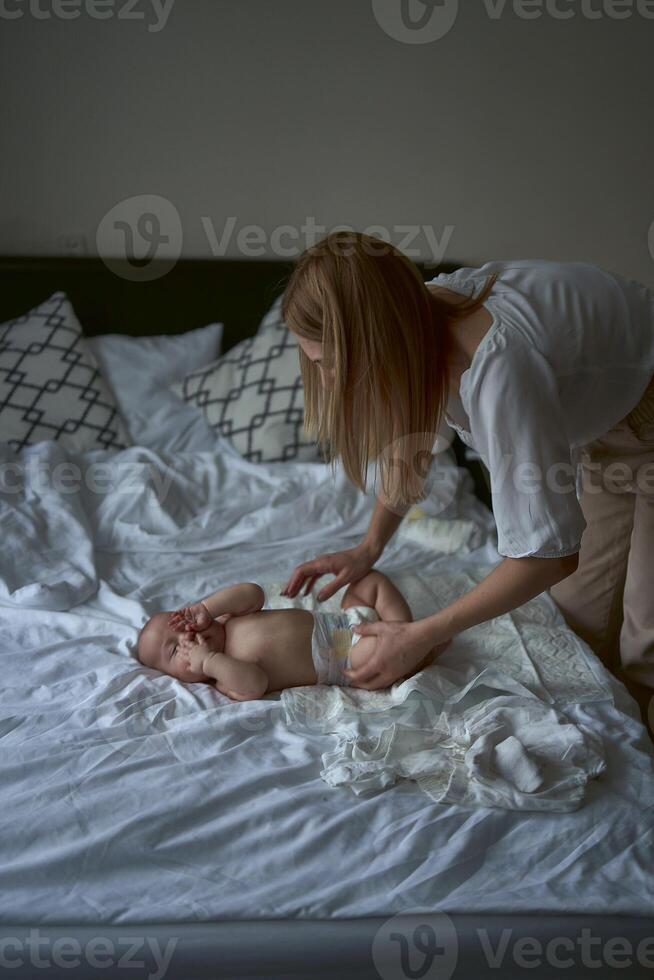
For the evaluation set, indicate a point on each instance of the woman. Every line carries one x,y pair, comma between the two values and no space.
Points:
538,365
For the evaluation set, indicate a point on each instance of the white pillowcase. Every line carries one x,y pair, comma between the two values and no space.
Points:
51,387
140,371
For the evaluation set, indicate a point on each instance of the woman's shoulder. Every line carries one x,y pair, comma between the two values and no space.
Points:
510,269
451,291
467,281
504,360
445,280
492,267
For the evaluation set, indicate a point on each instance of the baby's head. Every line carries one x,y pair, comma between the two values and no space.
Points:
158,647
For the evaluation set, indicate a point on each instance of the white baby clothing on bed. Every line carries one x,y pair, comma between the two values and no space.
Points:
510,752
332,640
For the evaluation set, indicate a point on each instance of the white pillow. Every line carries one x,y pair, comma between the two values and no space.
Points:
140,370
253,395
50,383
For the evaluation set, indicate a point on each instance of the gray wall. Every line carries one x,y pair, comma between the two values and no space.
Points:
526,138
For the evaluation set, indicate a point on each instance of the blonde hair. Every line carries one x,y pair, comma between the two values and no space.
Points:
383,335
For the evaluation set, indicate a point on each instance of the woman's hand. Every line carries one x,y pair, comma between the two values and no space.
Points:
348,566
401,649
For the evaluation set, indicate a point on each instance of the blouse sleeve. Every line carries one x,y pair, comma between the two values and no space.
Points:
517,425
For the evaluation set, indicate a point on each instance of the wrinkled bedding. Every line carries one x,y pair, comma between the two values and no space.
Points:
129,797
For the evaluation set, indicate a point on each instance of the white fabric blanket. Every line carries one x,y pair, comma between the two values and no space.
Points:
129,797
484,726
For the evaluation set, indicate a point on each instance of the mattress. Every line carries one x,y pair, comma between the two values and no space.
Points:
151,808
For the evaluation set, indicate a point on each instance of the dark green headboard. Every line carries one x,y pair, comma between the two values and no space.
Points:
236,292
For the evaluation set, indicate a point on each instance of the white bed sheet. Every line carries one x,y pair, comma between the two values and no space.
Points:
129,797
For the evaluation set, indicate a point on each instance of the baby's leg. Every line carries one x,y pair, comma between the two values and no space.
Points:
362,650
238,679
379,593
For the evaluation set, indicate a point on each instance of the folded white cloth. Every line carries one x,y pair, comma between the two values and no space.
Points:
451,537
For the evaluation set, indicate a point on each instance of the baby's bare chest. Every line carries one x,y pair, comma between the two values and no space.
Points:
267,633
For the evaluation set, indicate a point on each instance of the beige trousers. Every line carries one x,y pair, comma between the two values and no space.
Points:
609,599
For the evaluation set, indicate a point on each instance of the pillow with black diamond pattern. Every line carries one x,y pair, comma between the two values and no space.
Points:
253,395
50,383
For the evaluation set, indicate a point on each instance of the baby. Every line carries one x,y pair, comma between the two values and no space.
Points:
245,651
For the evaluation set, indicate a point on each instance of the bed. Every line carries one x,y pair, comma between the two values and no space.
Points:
155,829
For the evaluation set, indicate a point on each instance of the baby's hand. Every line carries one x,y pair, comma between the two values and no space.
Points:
194,618
193,651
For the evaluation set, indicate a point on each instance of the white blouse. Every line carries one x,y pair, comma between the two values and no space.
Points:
569,353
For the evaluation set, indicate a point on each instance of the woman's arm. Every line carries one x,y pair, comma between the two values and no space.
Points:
511,583
351,564
400,647
383,525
